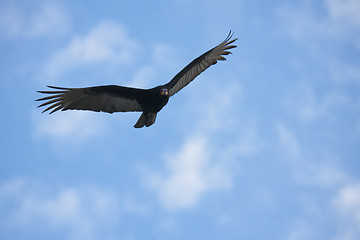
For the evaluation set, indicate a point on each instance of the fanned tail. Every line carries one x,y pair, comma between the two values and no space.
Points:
146,119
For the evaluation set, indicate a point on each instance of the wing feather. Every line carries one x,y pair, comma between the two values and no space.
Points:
200,64
108,99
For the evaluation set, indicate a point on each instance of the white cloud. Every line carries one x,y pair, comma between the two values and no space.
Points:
216,105
321,174
191,172
341,210
106,42
347,205
319,24
344,12
80,213
347,202
68,127
330,30
48,18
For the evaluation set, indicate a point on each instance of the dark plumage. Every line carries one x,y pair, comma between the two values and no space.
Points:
112,98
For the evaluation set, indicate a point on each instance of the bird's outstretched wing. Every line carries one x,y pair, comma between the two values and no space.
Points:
109,99
200,64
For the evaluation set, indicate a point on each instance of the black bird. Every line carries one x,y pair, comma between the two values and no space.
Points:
112,98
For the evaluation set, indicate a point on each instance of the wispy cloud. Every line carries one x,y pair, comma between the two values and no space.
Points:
107,42
344,13
191,172
329,31
323,171
320,174
309,106
70,127
45,19
216,105
81,213
340,21
347,203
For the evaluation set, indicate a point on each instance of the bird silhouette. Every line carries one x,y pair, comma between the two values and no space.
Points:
113,98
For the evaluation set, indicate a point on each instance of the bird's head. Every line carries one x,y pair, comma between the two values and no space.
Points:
164,92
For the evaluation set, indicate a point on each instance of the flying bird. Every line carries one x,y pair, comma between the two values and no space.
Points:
112,98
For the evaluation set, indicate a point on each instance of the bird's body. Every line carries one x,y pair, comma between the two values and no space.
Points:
112,98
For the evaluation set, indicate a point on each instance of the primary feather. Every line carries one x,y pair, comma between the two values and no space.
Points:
200,64
99,99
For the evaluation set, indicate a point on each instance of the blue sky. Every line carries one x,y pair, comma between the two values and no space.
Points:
262,146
